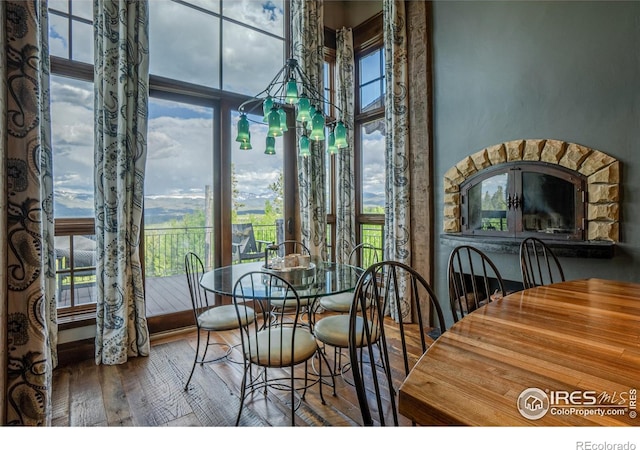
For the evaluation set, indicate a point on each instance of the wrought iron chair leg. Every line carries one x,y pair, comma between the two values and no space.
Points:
195,360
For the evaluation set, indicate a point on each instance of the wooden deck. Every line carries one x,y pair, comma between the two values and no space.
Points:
164,295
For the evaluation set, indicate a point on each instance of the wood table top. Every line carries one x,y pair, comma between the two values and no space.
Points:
566,354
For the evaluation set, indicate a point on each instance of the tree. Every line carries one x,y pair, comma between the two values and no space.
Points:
236,204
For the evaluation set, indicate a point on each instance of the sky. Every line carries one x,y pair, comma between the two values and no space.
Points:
184,44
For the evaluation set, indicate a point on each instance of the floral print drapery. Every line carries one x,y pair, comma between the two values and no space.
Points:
307,34
345,189
121,73
398,178
30,311
408,210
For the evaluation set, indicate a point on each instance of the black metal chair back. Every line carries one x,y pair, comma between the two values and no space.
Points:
278,338
290,246
194,269
538,264
363,255
474,280
381,350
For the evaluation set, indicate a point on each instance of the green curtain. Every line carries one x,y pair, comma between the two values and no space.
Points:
121,78
30,314
307,34
345,189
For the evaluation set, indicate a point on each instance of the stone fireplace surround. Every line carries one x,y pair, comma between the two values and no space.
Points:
603,193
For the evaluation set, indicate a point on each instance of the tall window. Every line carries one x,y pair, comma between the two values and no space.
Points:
370,147
71,49
203,53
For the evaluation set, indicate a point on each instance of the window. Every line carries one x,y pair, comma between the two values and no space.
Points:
370,147
236,51
72,140
204,56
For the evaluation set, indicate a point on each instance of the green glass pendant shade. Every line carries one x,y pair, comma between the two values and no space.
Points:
292,91
283,120
303,109
270,148
243,129
317,131
246,145
267,105
341,135
312,112
331,143
304,146
274,123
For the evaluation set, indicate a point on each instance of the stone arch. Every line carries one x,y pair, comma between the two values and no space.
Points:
602,172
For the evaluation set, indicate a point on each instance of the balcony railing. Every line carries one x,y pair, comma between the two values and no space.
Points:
164,250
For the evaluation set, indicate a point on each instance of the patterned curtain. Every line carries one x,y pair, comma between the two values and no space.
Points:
345,190
30,315
307,34
398,180
409,204
121,73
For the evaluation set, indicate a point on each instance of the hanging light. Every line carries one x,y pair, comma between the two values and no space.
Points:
267,105
331,143
246,145
341,135
270,148
304,146
317,127
243,129
274,123
292,89
303,109
283,120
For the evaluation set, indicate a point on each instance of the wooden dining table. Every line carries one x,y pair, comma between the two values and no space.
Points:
566,354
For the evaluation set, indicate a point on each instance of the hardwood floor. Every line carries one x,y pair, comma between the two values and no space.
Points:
149,391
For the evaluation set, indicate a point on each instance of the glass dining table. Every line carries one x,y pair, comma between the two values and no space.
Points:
326,278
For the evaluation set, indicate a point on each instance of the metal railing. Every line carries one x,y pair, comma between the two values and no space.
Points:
164,249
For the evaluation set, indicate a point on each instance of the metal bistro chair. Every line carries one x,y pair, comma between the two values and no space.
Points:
474,280
333,330
208,317
378,346
290,246
270,343
538,264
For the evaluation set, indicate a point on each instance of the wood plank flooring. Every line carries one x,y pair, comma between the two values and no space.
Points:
149,391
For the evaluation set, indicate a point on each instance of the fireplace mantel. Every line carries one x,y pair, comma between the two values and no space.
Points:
564,248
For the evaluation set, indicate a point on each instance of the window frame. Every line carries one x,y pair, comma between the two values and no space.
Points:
223,103
368,38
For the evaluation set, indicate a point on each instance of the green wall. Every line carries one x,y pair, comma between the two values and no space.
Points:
526,70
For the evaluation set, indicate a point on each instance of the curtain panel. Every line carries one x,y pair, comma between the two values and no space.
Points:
409,204
345,189
307,34
27,210
121,79
398,177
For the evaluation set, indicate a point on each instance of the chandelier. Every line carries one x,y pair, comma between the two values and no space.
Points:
292,89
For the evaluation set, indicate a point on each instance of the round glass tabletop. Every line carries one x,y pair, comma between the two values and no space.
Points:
328,278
